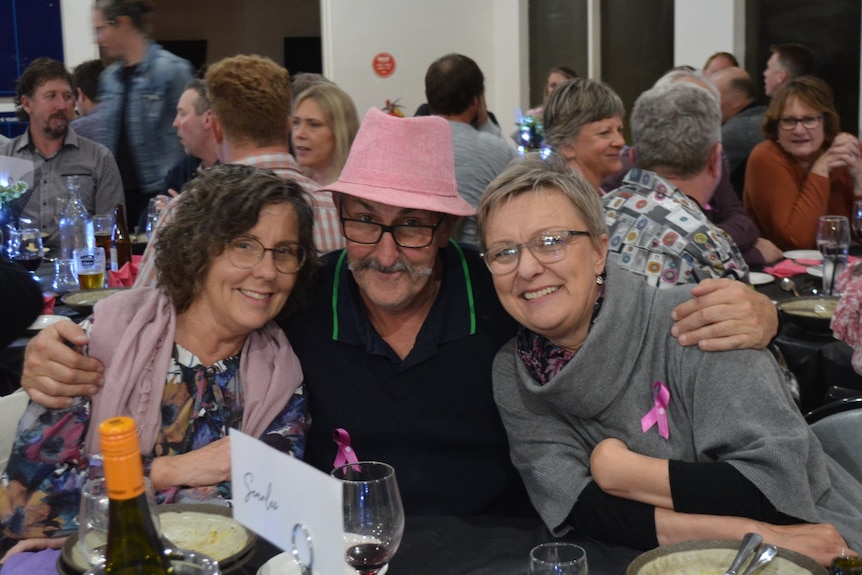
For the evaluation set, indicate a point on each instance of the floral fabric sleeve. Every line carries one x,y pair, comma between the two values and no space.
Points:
41,487
287,433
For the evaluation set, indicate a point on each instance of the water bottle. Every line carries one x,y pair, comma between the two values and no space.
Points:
76,225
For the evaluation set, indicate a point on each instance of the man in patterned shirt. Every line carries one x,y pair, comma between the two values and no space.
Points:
656,225
248,94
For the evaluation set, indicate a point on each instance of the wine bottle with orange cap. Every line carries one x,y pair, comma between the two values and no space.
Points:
134,545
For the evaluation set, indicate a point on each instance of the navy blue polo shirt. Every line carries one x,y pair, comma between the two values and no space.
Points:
431,416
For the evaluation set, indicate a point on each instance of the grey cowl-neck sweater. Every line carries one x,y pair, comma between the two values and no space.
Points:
724,406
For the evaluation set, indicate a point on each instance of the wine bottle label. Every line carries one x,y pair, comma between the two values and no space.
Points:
114,265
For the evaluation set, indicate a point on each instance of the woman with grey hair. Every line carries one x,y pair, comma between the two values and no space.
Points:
618,432
583,122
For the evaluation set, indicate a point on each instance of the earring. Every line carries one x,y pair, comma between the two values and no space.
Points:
600,280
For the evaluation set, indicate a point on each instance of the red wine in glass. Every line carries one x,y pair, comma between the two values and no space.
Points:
367,558
29,264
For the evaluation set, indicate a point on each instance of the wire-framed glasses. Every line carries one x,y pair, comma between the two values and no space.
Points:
405,235
246,252
788,123
547,248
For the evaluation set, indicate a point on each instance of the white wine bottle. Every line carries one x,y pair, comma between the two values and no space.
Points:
134,545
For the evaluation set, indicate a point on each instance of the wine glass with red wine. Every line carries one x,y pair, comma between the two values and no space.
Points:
27,249
373,515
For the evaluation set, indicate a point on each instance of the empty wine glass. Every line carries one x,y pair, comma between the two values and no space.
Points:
373,515
833,240
26,249
558,558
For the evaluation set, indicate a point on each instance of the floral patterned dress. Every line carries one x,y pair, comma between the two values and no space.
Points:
41,487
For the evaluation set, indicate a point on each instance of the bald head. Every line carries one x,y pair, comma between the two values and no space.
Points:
736,88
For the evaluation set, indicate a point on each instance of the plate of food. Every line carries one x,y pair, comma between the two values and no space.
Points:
713,557
803,255
84,300
812,314
44,321
760,278
205,528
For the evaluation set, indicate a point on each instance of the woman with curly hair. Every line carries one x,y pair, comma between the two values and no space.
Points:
189,360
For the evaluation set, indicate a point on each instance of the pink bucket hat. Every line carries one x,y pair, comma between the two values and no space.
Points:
403,162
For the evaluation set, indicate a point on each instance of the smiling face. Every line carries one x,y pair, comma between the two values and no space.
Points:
554,300
51,108
804,144
239,301
191,128
390,277
313,140
595,151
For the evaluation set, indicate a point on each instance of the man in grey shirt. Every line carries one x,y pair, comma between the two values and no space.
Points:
741,120
455,89
45,100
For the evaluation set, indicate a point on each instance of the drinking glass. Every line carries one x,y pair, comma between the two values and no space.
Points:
26,249
833,240
93,519
373,514
154,211
103,228
184,562
558,558
856,222
90,267
65,279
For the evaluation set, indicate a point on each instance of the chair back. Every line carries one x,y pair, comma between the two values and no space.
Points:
838,426
12,407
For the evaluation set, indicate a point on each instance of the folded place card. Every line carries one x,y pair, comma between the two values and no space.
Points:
273,493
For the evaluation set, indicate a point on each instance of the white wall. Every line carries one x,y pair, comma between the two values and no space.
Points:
704,27
79,43
492,32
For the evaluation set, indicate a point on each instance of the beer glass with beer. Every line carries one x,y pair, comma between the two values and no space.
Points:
90,266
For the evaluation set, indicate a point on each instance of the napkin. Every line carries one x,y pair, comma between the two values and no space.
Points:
785,269
48,300
125,276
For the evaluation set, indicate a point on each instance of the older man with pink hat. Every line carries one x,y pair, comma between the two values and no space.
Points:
397,344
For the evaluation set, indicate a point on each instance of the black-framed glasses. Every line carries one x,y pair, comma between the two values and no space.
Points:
405,235
246,252
788,123
547,248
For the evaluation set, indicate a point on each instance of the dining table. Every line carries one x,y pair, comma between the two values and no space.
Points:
819,361
474,545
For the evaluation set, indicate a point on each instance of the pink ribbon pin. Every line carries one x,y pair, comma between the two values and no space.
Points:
658,414
345,454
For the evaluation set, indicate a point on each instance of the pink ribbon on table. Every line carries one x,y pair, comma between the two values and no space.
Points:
345,453
658,414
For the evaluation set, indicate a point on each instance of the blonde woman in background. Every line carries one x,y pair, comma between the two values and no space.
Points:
323,125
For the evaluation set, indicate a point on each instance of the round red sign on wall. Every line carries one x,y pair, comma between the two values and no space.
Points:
383,64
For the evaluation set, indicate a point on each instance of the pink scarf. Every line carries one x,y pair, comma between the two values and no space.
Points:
133,335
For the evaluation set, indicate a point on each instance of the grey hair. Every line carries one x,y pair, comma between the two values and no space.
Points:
576,103
534,174
677,75
675,127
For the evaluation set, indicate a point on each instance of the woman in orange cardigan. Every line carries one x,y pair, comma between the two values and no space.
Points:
804,169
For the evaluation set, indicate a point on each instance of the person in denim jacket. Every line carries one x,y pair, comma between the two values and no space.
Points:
138,97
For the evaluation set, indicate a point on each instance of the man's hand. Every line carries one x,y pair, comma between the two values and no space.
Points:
55,372
725,314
